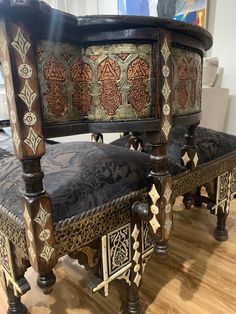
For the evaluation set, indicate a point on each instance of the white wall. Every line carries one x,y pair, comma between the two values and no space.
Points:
224,47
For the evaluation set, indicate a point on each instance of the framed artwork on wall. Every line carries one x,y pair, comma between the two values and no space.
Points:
190,11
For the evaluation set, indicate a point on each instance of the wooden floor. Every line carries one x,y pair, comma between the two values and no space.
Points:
199,276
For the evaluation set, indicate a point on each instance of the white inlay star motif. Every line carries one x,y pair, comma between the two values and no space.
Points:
168,224
47,252
27,95
154,224
21,44
16,139
165,51
31,253
154,194
6,68
27,216
137,279
32,140
166,90
42,217
185,158
166,127
167,193
9,92
2,42
136,257
195,160
135,233
13,116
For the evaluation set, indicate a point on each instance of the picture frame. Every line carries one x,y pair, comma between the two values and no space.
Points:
189,11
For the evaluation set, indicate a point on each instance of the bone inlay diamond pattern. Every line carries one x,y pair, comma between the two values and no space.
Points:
166,127
2,42
137,255
16,139
154,209
154,194
166,89
47,252
42,217
28,95
165,51
195,160
45,234
32,140
167,193
21,44
185,158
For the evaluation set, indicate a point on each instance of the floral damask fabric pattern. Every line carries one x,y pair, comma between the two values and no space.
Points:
78,177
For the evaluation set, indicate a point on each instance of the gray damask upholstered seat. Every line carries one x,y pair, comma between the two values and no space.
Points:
210,144
79,177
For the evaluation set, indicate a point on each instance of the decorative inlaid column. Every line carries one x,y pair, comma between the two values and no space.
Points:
160,190
21,81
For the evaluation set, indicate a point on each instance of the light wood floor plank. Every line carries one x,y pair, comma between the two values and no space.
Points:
199,276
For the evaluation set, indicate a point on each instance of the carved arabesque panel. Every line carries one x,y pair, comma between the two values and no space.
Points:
80,232
111,82
119,248
187,80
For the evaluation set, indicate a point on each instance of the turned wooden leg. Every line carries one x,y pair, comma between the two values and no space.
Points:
133,304
46,282
15,305
160,197
221,234
197,197
189,158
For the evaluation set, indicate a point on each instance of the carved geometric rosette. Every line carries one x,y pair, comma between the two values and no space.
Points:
102,82
119,254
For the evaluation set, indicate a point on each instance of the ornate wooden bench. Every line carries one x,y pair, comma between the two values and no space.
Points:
66,75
